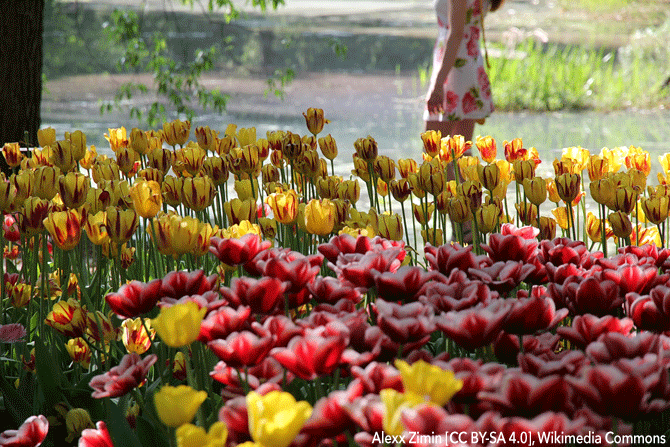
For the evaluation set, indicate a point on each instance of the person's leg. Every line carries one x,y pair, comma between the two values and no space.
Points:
466,128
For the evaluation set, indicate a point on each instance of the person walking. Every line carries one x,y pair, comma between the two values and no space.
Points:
459,94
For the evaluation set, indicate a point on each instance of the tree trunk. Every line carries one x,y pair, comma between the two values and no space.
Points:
21,25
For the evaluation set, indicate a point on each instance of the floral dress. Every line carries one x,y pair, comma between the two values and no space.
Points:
467,90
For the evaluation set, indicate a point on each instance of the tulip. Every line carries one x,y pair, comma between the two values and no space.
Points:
423,213
309,164
487,148
176,132
621,225
597,167
360,168
179,325
638,159
31,218
489,176
67,317
407,167
514,150
105,169
74,188
562,219
523,169
171,189
315,120
535,189
384,167
9,199
31,432
472,192
240,210
568,186
13,154
216,169
366,148
431,142
177,406
320,217
65,228
390,226
189,435
328,147
20,294
488,218
625,199
602,191
349,190
431,381
188,159
134,335
394,405
45,182
121,224
46,136
276,418
246,136
79,351
656,209
62,156
458,210
198,193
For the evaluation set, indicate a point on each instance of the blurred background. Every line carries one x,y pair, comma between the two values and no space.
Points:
564,72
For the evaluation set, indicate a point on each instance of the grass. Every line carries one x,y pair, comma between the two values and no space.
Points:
552,77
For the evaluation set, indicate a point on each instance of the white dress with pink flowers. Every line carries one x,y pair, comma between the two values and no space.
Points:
467,90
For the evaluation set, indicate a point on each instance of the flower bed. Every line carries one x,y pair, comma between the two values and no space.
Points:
305,321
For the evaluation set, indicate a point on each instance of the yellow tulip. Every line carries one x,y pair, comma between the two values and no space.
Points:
46,136
117,138
394,404
328,147
176,132
189,435
535,189
275,419
315,120
320,217
79,351
246,136
73,188
422,378
65,228
13,154
76,421
177,405
198,193
134,335
179,325
121,224
487,148
390,226
206,137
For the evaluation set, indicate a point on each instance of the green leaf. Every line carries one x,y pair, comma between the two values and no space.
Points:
146,432
118,427
15,404
48,375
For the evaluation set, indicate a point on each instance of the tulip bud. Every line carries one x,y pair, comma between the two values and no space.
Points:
62,156
489,176
638,179
407,167
171,189
384,167
198,193
349,190
74,188
656,209
13,154
246,136
239,210
527,213
366,148
328,147
625,199
568,186
488,218
45,182
176,132
121,224
326,187
139,141
246,190
621,224
105,169
360,168
284,206
147,198
315,120
535,190
433,237
46,136
400,189
547,227
597,168
473,193
205,137
523,169
423,213
34,212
